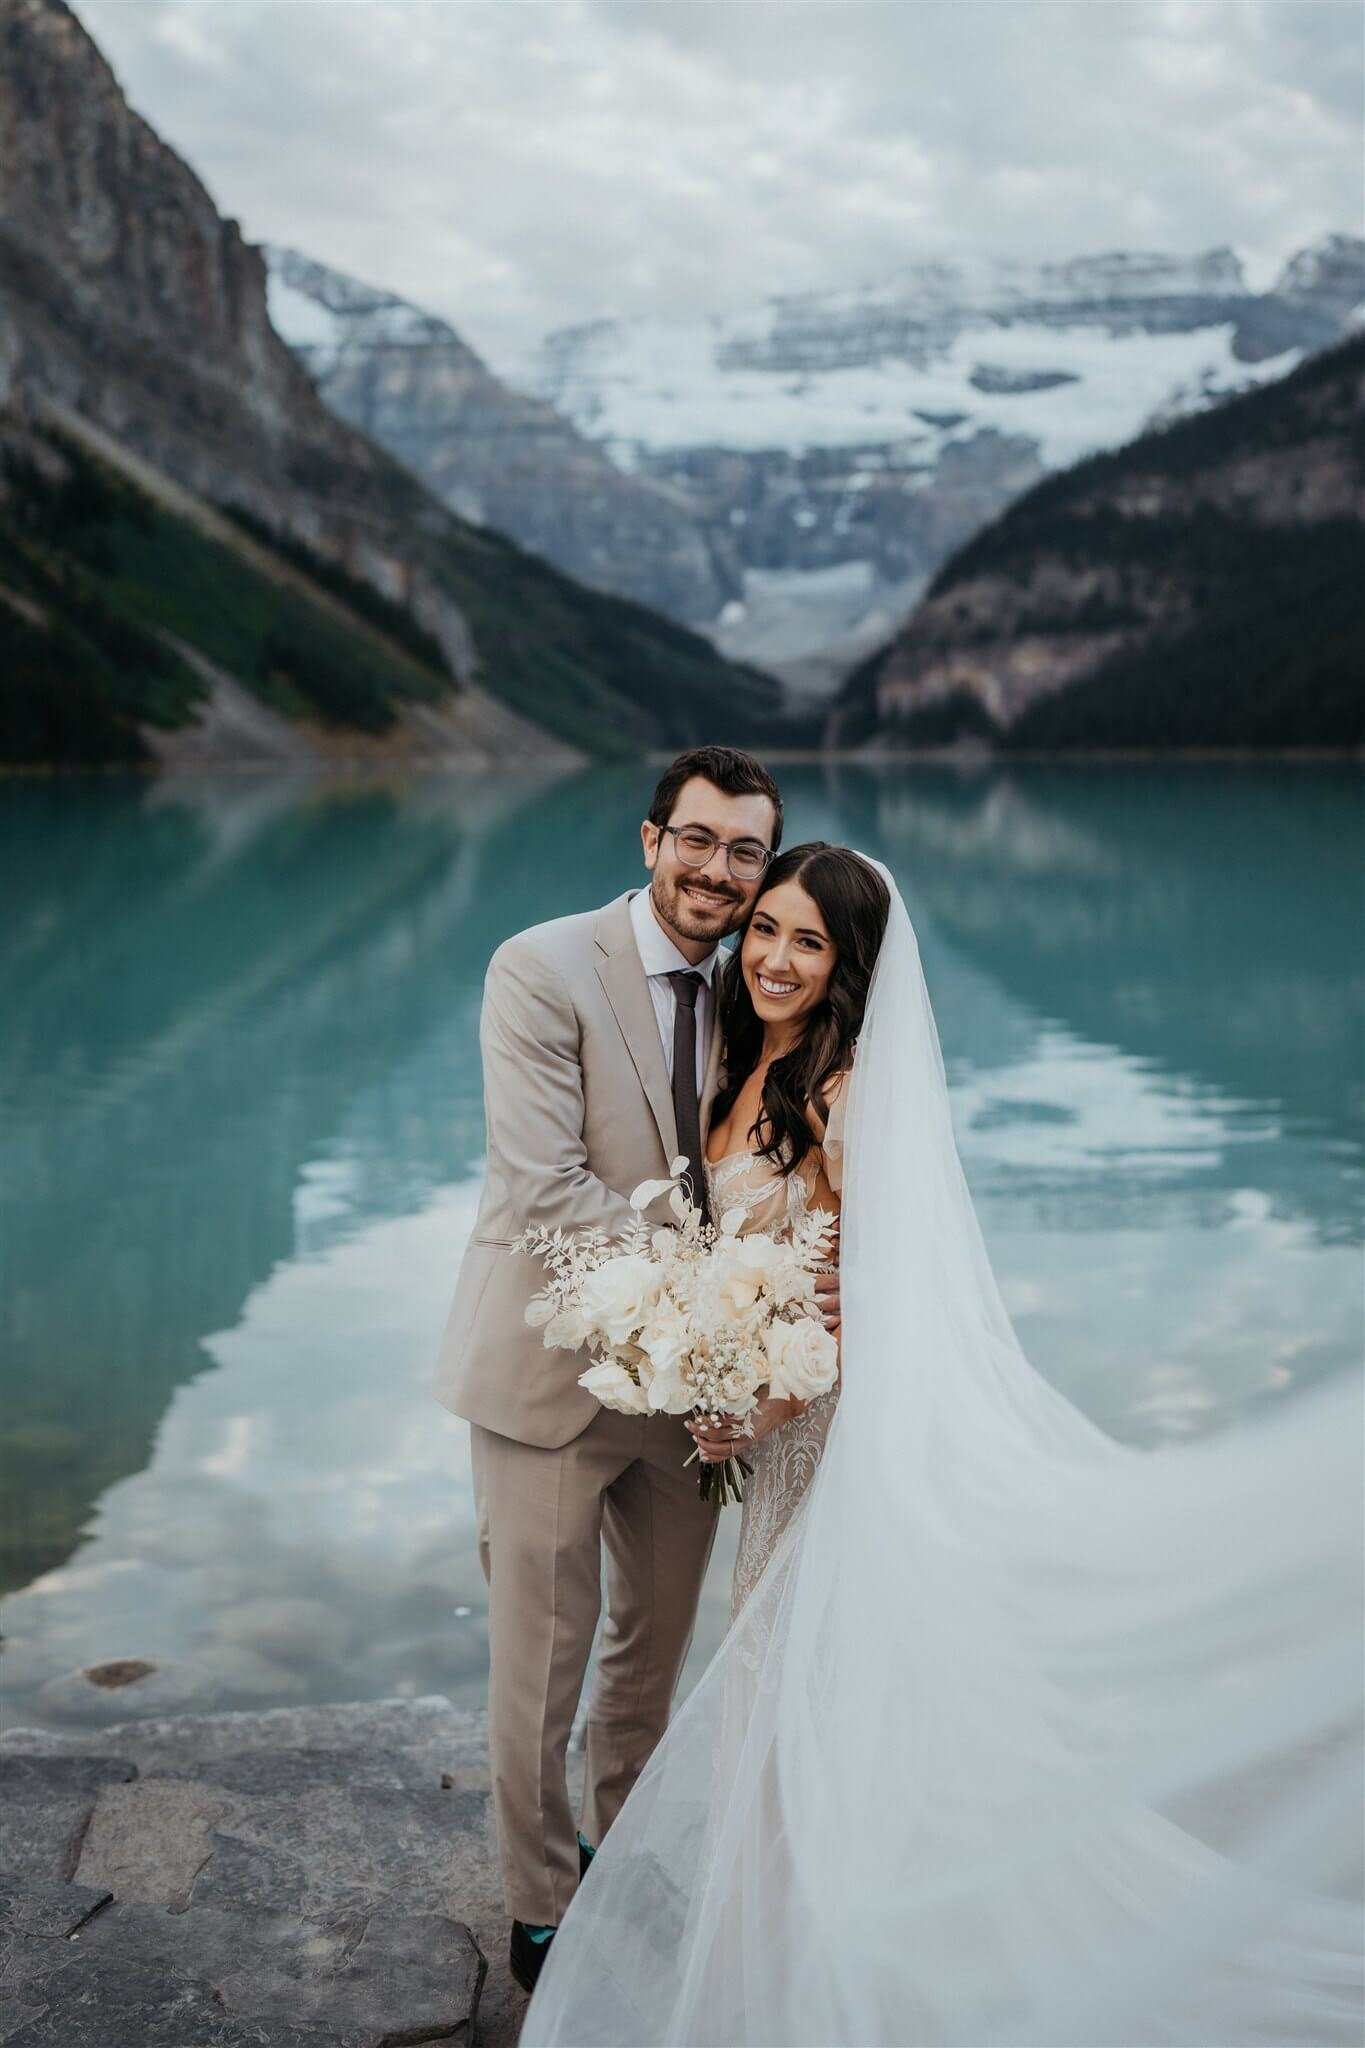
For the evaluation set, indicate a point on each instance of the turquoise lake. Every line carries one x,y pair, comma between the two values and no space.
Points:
242,1136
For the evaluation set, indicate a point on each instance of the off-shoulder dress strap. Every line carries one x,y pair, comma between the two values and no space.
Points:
832,1143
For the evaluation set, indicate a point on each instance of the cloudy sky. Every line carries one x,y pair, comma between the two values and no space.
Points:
517,165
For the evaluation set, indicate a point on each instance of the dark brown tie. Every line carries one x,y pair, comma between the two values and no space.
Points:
686,1109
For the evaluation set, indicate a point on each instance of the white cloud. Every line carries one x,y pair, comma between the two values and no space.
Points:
518,167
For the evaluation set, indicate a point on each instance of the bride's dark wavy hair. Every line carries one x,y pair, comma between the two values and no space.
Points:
854,902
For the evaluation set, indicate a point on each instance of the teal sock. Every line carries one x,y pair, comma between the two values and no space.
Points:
540,1934
586,1847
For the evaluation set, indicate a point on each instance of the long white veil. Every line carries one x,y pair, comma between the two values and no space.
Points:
1025,1736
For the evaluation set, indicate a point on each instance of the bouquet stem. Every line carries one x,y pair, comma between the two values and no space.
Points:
720,1484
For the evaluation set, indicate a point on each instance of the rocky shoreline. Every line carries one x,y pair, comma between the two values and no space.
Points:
302,1877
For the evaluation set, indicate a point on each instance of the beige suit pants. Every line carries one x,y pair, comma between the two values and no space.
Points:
544,1516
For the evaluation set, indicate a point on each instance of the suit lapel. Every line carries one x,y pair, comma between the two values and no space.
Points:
623,980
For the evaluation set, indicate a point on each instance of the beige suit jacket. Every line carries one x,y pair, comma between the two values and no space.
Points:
579,1111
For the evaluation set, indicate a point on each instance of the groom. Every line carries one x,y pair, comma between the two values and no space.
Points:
601,1057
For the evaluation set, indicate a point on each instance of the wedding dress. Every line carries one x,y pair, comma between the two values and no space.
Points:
784,1461
1024,1738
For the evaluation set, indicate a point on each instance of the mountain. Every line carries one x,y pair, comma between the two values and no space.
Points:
496,457
196,556
1200,587
844,444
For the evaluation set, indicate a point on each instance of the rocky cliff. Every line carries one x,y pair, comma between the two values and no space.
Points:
134,325
495,456
1200,586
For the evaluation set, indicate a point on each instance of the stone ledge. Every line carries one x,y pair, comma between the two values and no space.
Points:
286,1879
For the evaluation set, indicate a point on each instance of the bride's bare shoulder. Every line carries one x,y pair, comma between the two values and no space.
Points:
827,1108
827,1126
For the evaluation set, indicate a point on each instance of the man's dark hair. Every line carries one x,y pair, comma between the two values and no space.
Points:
730,769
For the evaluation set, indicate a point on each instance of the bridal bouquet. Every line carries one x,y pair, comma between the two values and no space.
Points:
695,1320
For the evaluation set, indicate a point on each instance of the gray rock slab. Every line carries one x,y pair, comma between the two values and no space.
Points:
282,1771
149,1840
46,1805
135,1973
53,1911
39,1777
339,1848
254,1860
68,2010
369,1979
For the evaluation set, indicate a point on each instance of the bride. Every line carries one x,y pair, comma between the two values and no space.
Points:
1019,1735
790,1019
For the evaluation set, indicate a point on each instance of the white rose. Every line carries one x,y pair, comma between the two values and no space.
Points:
613,1386
665,1337
803,1359
618,1297
743,1265
669,1393
739,1390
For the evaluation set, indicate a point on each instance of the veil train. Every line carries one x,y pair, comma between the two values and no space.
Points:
1026,1737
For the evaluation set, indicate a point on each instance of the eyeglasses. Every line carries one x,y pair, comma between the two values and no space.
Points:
745,858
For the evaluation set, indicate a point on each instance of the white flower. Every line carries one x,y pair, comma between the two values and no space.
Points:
743,1265
613,1386
539,1309
669,1393
789,1280
739,1389
618,1297
635,1360
567,1330
665,1337
803,1359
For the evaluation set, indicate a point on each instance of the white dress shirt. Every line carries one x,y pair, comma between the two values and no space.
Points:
660,958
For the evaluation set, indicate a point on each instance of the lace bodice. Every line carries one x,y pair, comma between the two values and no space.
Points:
771,1199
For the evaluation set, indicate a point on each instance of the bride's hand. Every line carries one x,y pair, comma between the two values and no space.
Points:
732,1437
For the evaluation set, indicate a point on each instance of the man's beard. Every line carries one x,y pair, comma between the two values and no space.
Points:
691,918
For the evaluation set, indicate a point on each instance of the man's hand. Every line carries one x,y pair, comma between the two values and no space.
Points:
827,1284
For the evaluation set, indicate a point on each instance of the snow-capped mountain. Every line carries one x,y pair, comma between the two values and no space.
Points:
507,461
788,479
845,443
946,349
